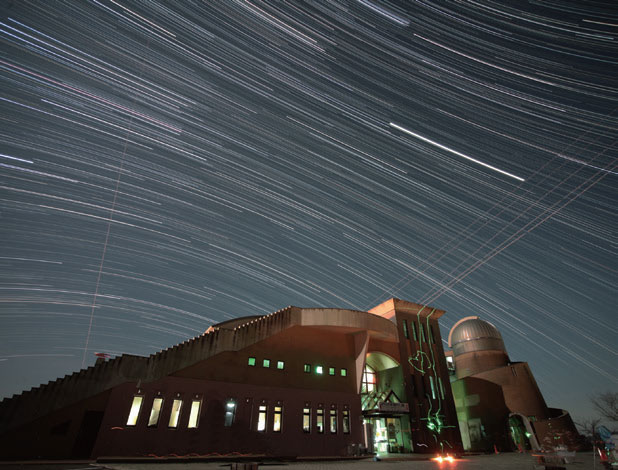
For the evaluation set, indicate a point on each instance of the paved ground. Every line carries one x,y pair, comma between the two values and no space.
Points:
509,461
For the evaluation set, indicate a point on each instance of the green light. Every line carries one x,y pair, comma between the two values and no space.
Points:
344,372
319,370
266,363
280,365
528,435
331,371
251,361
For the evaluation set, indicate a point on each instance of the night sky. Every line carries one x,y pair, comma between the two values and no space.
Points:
165,166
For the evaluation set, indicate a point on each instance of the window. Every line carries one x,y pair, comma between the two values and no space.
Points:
344,372
307,368
514,371
406,333
175,414
414,330
346,422
450,365
278,416
266,363
423,333
369,380
433,389
333,421
230,412
251,361
134,413
306,419
280,365
331,371
432,338
194,414
441,387
319,370
155,412
319,423
261,425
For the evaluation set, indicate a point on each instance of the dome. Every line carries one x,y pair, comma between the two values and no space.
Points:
472,334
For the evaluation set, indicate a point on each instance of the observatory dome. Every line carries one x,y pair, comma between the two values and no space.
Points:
472,334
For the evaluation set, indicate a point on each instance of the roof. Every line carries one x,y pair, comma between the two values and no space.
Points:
473,334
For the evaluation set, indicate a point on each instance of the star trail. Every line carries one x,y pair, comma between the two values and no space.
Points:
165,166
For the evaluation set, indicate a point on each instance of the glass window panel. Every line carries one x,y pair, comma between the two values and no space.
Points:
320,421
194,414
134,413
433,388
307,368
155,412
414,330
346,422
441,387
266,363
319,369
261,425
406,333
278,416
331,371
175,414
333,421
230,413
306,419
344,372
432,339
280,365
251,361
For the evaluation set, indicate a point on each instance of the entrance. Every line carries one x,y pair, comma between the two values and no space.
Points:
388,435
519,435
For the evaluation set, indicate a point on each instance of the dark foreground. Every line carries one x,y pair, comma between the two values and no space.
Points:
510,461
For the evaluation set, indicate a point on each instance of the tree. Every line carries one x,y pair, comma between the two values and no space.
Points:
606,405
588,427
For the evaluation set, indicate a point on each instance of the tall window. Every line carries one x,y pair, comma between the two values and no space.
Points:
406,333
306,419
414,330
432,338
230,412
346,421
134,413
175,414
194,414
423,333
369,380
261,425
433,387
277,419
333,421
307,368
155,412
441,387
319,422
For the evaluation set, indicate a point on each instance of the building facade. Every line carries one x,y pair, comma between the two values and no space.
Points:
499,404
296,382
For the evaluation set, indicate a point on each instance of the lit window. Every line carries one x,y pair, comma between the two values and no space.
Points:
346,422
261,425
344,372
406,333
175,414
278,415
320,421
433,389
280,365
369,380
423,333
441,387
307,368
449,363
266,363
251,361
319,369
230,412
333,421
331,371
414,330
194,414
134,413
155,412
306,419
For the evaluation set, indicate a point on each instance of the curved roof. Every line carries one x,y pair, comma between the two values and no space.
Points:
473,334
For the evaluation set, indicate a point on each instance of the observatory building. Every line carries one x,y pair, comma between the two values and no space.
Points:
498,401
296,382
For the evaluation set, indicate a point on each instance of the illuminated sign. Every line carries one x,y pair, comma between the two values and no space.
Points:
393,407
